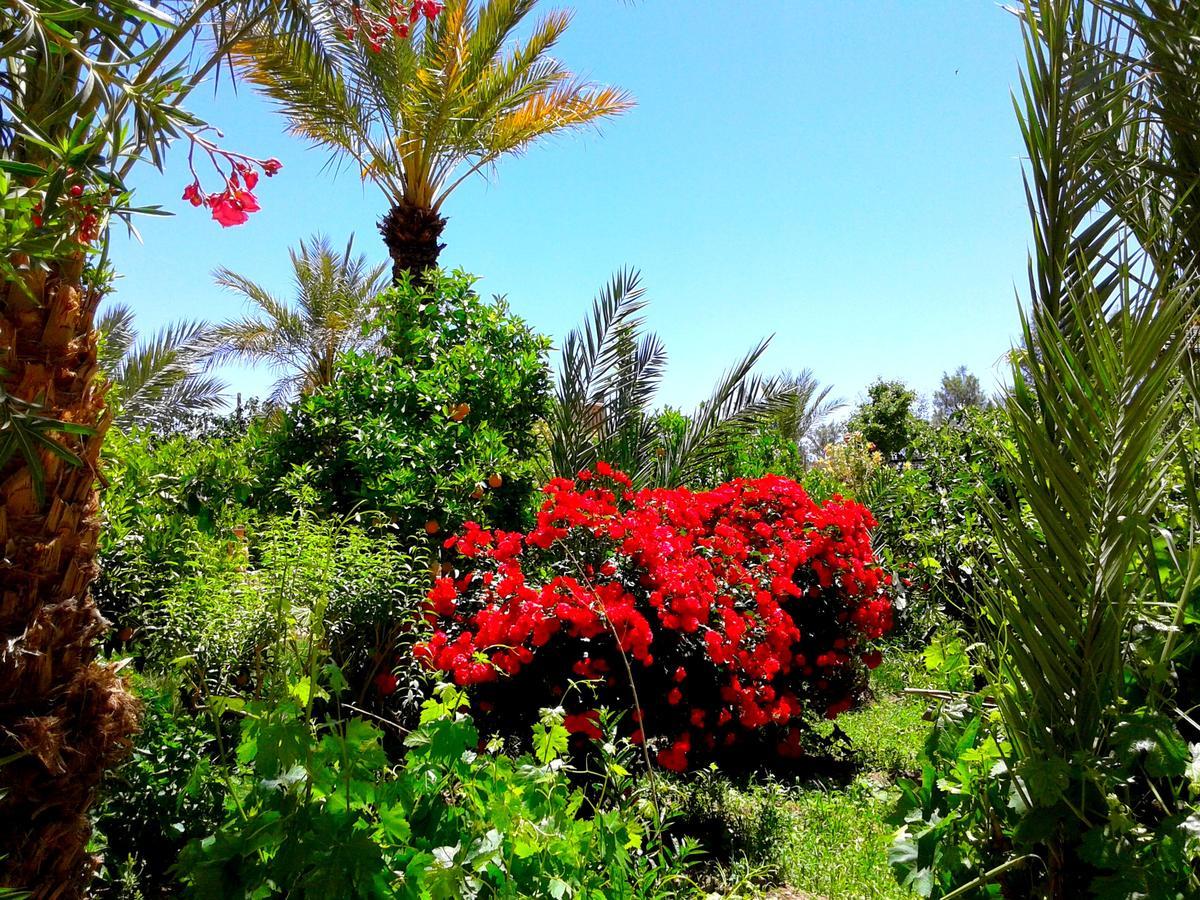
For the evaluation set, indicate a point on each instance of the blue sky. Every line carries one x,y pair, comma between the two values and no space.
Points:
845,175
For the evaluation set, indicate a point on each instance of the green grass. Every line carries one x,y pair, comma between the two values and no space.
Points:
837,843
829,840
888,734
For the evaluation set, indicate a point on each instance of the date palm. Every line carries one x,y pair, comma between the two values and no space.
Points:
1096,529
86,91
303,340
418,118
158,381
609,373
806,407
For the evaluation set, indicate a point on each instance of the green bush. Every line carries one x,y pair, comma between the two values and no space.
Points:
932,530
315,812
171,505
436,428
165,795
886,417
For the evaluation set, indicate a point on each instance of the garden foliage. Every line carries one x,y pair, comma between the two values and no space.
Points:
315,811
438,426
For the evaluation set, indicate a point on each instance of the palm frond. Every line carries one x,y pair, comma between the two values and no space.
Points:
590,357
1072,104
739,402
117,335
334,300
805,406
420,116
164,378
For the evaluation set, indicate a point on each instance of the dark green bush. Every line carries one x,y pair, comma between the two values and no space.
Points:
165,795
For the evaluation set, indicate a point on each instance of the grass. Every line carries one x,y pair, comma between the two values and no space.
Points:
836,844
828,840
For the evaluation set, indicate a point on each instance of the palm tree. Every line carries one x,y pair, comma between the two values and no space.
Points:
1149,167
158,381
86,91
806,406
608,375
333,306
1096,531
419,117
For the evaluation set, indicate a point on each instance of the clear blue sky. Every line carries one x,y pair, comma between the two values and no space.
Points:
845,175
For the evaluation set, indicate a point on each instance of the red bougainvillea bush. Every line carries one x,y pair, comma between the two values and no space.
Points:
740,612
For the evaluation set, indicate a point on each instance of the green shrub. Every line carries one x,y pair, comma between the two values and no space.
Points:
886,417
436,428
315,812
165,795
932,531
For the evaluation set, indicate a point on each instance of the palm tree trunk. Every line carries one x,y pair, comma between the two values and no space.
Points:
64,717
411,233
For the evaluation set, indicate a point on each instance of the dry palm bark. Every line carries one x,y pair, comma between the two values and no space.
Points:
411,233
63,715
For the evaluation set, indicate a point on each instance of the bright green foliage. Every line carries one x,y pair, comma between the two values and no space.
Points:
315,812
932,531
954,819
193,570
170,507
886,418
420,430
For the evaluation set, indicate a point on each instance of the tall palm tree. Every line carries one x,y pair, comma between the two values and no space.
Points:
160,380
1096,530
303,340
418,118
86,91
608,375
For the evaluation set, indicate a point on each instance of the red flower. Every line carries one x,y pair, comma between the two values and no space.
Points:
587,723
758,596
232,206
385,683
193,195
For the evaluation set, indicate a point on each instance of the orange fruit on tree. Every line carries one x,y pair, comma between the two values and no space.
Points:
432,526
495,480
460,412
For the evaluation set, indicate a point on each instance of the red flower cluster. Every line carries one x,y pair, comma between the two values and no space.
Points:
233,205
738,610
395,20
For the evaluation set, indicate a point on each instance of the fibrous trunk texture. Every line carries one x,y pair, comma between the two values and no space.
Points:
411,233
65,717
